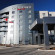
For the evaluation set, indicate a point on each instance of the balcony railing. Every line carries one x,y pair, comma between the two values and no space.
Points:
3,24
3,20
4,16
3,29
1,33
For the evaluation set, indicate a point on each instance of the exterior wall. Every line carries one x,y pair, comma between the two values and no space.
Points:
46,18
10,37
26,19
52,14
19,22
43,14
39,15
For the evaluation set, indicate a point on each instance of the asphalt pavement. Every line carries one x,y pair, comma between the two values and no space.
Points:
25,50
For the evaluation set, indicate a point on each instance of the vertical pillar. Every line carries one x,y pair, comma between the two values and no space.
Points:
46,37
33,38
39,40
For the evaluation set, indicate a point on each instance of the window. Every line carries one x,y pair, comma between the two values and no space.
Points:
21,21
26,7
20,28
30,21
29,11
52,32
12,26
20,16
5,33
20,32
13,8
13,16
29,26
43,14
6,28
20,11
13,12
50,15
29,31
29,6
29,16
22,7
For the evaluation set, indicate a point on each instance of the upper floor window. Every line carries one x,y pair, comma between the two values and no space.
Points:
20,16
29,11
13,12
21,28
21,21
20,33
30,21
29,26
26,7
29,16
29,6
50,15
20,11
43,14
13,16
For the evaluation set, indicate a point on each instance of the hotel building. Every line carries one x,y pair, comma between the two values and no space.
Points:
15,21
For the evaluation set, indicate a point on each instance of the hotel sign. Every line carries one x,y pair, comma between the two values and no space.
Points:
21,9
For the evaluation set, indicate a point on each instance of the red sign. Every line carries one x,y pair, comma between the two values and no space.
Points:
21,9
6,19
18,9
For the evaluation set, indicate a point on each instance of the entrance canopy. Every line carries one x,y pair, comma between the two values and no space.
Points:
38,23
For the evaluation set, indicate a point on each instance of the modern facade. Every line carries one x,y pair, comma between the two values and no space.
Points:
15,22
43,27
